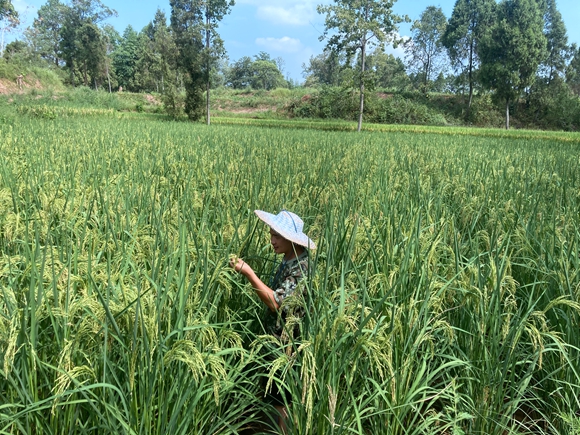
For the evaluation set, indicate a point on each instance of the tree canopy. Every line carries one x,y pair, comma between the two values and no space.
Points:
356,26
512,50
425,48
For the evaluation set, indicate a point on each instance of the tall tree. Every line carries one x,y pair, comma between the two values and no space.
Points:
425,49
8,20
389,71
187,24
80,28
125,58
324,69
44,35
469,21
91,52
557,43
111,39
573,70
194,24
214,12
157,65
512,50
357,26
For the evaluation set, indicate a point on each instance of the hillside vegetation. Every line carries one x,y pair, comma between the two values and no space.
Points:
44,87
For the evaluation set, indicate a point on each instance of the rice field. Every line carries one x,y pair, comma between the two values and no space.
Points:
445,295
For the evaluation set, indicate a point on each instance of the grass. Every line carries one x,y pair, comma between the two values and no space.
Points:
444,298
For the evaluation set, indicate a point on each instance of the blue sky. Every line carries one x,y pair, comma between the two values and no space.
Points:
284,28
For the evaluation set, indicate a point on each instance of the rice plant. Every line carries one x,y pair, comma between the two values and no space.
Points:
444,296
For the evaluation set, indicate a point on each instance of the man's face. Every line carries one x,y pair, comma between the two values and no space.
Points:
279,243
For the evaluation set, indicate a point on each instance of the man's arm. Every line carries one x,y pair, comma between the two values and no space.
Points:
265,293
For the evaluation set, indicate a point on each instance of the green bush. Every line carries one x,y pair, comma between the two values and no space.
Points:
343,103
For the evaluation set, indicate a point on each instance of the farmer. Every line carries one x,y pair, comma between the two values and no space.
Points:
287,238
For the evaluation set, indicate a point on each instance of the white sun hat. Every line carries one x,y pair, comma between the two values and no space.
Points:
288,225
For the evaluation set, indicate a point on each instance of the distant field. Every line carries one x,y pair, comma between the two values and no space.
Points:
445,297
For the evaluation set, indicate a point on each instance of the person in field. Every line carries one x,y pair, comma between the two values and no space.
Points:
285,285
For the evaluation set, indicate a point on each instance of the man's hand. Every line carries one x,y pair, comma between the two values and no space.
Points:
239,265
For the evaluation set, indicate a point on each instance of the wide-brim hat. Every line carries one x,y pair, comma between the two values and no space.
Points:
288,225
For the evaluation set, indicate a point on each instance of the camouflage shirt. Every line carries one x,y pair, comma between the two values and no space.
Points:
288,287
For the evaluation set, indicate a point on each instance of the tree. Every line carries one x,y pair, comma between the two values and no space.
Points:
573,70
44,35
512,50
262,73
14,50
125,58
91,52
388,71
157,57
240,73
80,35
425,49
556,43
357,26
266,75
324,69
214,11
187,24
8,20
194,23
469,21
7,9
112,40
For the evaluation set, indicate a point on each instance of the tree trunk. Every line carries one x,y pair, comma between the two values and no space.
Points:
72,74
109,79
207,60
507,114
85,74
471,54
362,86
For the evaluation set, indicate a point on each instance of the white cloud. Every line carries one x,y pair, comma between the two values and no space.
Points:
285,12
284,44
296,15
397,52
400,50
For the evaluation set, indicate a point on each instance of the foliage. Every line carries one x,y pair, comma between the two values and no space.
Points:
468,23
194,24
44,35
266,75
324,69
260,73
357,26
14,50
573,70
387,72
125,58
425,51
7,10
186,25
82,43
553,105
556,43
512,49
341,103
